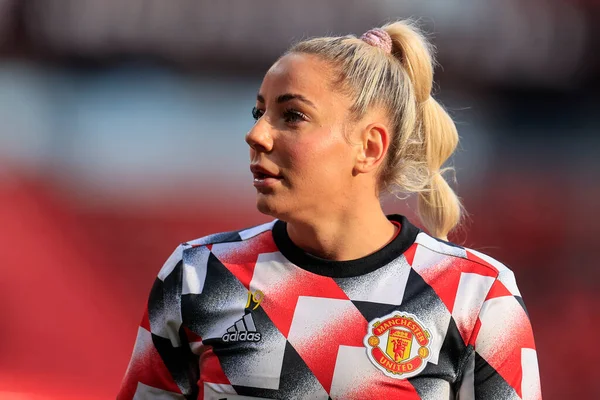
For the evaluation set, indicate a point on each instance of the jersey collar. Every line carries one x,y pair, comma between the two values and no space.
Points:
345,269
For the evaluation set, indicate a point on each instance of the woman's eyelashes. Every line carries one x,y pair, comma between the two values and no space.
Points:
256,113
290,115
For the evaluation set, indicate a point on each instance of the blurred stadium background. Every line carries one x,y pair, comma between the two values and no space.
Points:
122,134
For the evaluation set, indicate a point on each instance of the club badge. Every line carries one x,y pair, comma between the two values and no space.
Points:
398,344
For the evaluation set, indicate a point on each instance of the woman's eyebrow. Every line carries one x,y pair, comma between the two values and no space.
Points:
287,97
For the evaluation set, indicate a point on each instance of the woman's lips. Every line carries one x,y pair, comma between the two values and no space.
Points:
265,181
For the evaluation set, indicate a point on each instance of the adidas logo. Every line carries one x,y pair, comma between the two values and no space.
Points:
242,331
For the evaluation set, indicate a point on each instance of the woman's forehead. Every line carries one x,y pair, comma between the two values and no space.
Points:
298,73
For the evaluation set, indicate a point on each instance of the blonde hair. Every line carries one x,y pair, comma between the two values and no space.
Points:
424,136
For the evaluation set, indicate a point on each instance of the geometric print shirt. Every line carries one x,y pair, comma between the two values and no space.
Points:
249,315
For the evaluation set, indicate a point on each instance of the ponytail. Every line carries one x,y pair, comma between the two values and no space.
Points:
438,206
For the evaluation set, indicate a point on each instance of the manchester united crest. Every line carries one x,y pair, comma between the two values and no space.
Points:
398,344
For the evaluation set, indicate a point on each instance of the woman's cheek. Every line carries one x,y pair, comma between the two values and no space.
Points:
321,152
302,154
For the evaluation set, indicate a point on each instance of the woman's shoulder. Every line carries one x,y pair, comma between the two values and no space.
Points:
460,275
466,259
203,245
230,236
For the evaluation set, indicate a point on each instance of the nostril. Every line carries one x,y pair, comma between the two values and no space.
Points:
258,147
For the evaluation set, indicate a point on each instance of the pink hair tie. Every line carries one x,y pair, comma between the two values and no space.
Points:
377,37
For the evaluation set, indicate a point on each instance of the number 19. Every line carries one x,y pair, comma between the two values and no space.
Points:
255,297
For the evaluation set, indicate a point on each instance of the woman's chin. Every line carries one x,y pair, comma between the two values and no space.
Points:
267,205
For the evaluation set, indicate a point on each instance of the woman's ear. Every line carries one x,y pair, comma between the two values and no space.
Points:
374,142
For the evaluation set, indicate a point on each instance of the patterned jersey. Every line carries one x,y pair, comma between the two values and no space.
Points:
249,315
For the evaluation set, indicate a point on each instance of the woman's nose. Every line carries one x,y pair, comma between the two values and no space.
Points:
259,137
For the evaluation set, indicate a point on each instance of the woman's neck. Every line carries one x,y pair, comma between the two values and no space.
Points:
346,236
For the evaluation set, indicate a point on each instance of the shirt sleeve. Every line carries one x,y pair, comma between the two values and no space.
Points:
502,363
162,365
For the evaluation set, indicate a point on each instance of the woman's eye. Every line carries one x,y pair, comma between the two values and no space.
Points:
294,116
256,113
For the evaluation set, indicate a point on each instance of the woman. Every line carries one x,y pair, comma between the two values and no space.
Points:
334,299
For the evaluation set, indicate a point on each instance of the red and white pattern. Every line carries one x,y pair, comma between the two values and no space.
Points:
312,326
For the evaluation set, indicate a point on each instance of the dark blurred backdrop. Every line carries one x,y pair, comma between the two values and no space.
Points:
122,134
